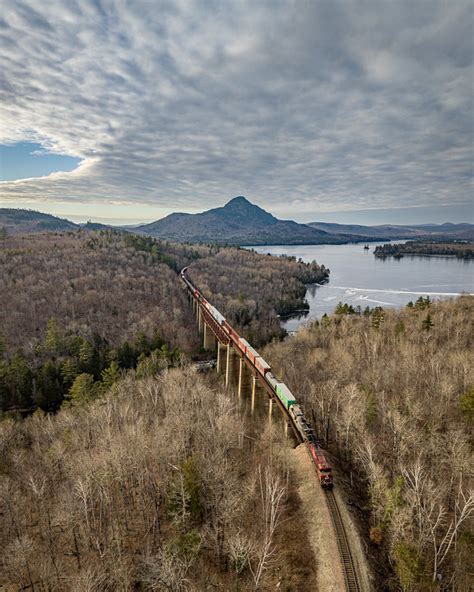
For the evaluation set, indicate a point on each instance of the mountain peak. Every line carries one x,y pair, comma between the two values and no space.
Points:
240,201
239,221
240,209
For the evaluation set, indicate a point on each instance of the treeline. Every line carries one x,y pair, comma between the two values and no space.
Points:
175,255
69,368
253,290
461,250
377,313
152,487
391,394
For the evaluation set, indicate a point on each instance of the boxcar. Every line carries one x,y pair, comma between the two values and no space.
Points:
243,344
261,365
251,354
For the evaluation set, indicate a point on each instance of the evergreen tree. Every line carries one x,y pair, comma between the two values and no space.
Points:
422,303
427,323
141,344
110,375
325,320
82,391
53,337
126,356
156,341
19,383
73,345
88,359
378,316
69,371
150,365
48,393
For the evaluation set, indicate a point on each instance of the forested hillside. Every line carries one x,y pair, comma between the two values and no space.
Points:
391,393
143,479
17,221
238,222
252,290
152,487
85,306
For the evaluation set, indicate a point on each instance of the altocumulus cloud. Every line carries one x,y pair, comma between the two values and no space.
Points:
305,104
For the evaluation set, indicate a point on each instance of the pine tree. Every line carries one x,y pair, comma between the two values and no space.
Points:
19,382
53,337
126,356
82,390
69,371
142,345
427,323
111,375
48,393
87,357
378,316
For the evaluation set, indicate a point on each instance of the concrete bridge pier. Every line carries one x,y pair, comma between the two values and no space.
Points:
200,320
254,390
270,409
241,376
230,370
244,385
209,341
220,347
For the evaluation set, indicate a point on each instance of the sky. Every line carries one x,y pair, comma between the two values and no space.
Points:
334,110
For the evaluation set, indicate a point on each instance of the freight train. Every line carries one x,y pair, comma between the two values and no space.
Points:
280,390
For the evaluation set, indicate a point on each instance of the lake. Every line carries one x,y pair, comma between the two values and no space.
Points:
358,278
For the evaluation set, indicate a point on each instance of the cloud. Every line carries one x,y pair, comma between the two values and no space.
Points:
324,105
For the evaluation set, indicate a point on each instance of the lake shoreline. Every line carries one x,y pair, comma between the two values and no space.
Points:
358,278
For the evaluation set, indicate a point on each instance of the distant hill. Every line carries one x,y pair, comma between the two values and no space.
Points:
239,222
97,226
387,231
17,221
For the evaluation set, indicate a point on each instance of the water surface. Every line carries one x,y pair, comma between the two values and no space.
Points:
360,279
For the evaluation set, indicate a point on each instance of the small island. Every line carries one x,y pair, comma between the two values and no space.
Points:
458,249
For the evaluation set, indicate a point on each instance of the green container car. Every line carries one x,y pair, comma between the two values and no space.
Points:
285,395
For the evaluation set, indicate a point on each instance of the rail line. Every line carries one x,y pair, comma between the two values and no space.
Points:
280,393
350,572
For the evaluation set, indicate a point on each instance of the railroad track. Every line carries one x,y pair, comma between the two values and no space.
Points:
285,400
350,572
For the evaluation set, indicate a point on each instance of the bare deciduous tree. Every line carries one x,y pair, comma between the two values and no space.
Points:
272,494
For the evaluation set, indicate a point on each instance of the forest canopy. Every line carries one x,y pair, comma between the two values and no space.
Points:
87,306
391,395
